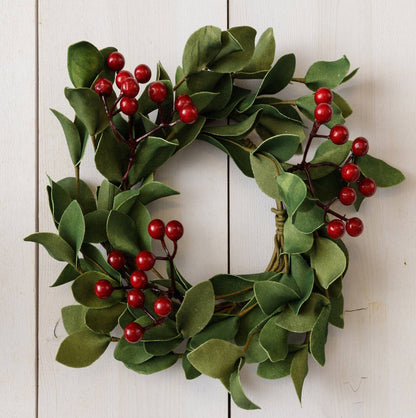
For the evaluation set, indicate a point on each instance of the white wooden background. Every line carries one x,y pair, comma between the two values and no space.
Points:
371,365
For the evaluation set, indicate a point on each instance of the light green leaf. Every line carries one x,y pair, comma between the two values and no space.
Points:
73,318
266,169
255,352
295,241
299,370
272,295
309,217
274,340
104,320
276,370
293,191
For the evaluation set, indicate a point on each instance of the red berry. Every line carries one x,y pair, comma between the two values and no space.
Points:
347,196
138,279
157,92
130,87
163,306
103,87
103,289
115,61
339,134
135,298
354,227
350,173
156,229
188,114
323,95
145,260
359,146
174,230
182,101
142,73
323,113
121,76
367,187
335,228
129,105
133,332
116,260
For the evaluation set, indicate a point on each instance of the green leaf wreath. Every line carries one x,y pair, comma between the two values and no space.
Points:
216,326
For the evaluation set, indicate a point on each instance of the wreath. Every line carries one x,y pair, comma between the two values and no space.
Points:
273,318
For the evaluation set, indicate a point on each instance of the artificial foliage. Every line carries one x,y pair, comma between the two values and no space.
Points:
274,318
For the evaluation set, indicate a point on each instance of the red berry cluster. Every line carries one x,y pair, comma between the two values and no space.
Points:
138,280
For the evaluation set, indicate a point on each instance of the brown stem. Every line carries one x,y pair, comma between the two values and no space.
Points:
77,182
179,83
246,311
234,293
94,142
298,79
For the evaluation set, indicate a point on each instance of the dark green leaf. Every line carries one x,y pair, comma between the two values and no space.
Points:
304,277
106,195
299,370
336,316
236,390
73,318
328,187
56,246
86,199
237,95
196,309
142,218
319,335
350,75
215,358
323,250
272,295
104,320
95,226
309,217
343,105
274,340
161,348
60,199
225,285
255,352
85,62
89,108
248,324
82,348
201,48
190,371
121,232
68,274
154,190
72,226
106,72
83,290
327,73
383,174
154,365
165,332
186,134
277,370
94,256
282,147
161,73
263,55
131,353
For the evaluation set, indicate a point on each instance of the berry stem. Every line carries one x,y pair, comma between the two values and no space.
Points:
179,83
146,311
312,134
332,212
110,119
156,128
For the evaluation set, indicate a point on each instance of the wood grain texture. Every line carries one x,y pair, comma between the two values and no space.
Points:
18,209
370,365
145,32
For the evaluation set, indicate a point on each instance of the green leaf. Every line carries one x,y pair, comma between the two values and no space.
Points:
263,55
306,105
293,191
196,309
225,285
299,370
309,217
154,190
200,49
82,348
215,358
72,136
154,365
186,134
89,108
323,250
189,370
104,320
319,335
229,44
249,324
164,332
106,72
60,199
151,153
95,226
235,61
266,169
72,226
85,62
274,340
238,130
272,295
121,232
237,151
282,147
336,316
83,290
224,329
329,152
276,370
131,353
161,72
94,256
350,75
111,157
237,393
73,318
56,246
255,352
327,73
142,218
307,316
86,199
304,277
237,94
161,348
295,241
68,274
383,174
343,105
328,187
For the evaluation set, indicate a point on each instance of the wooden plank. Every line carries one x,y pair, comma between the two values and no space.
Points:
144,32
369,364
18,206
